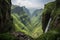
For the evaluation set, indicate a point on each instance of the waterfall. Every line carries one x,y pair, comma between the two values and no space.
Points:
48,25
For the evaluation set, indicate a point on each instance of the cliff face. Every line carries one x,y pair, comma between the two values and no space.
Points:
51,10
5,17
55,23
47,14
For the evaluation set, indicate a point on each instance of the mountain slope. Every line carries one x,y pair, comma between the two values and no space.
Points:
36,17
25,23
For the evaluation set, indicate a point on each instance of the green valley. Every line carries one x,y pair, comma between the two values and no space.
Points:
29,24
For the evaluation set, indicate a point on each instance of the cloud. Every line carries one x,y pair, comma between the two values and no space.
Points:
28,3
31,3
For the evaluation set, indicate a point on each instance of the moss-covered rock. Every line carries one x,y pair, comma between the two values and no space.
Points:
54,28
52,12
55,23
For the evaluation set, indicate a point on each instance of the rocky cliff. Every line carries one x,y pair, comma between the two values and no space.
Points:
6,21
51,10
47,14
55,23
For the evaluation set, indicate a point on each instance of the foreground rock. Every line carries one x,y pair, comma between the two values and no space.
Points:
21,36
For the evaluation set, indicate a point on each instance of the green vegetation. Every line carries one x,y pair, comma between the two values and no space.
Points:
51,10
47,13
31,31
6,36
51,35
23,21
24,26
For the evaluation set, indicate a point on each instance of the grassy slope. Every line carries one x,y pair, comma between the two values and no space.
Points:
18,24
33,31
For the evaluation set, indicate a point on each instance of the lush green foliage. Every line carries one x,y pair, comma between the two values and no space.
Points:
51,35
7,36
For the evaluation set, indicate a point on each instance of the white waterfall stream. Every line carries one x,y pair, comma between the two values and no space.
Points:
48,25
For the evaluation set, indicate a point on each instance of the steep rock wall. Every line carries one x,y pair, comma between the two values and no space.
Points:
51,10
47,14
6,21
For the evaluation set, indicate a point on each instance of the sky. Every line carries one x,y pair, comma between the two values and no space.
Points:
31,3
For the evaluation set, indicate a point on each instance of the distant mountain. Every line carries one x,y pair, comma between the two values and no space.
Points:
23,14
26,11
37,12
31,10
18,9
36,17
